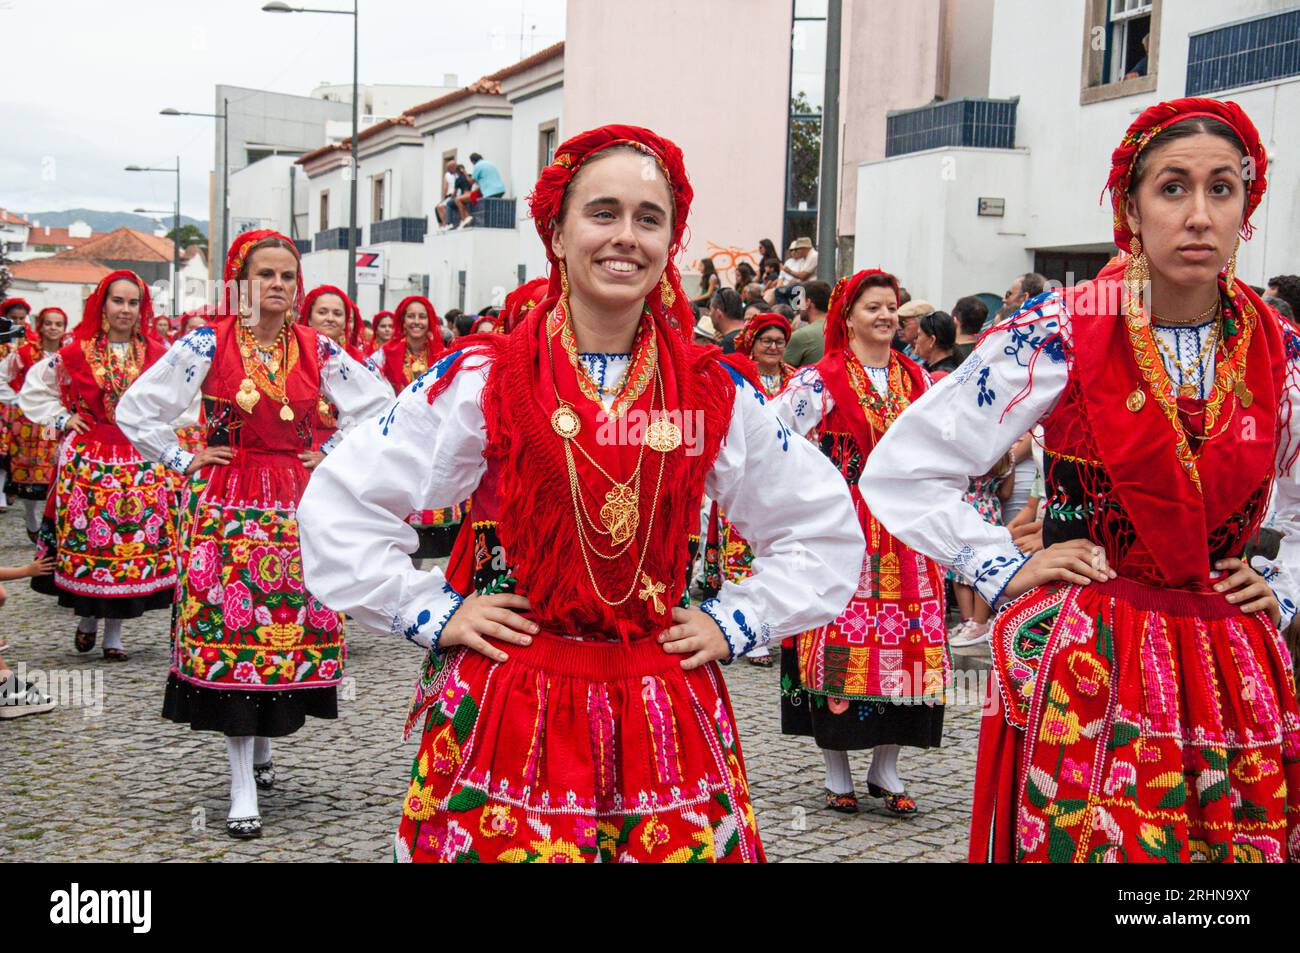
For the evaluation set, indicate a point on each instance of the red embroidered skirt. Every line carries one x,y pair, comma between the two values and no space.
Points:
576,752
1137,724
33,458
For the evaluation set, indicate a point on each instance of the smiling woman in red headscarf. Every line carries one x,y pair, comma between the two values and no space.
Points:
253,652
1147,703
571,706
415,344
33,448
109,523
875,676
332,313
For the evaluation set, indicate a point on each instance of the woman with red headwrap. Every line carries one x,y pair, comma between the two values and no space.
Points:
585,439
1145,707
13,331
33,448
253,652
109,523
381,331
875,676
332,313
759,347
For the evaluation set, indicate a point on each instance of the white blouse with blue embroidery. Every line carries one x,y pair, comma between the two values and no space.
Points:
914,479
783,495
175,382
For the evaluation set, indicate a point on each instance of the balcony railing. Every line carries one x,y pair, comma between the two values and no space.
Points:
974,123
398,230
1243,54
334,238
303,245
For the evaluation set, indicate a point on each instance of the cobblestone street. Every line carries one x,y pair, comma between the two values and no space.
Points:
104,777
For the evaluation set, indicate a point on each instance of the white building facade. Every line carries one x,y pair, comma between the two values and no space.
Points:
977,191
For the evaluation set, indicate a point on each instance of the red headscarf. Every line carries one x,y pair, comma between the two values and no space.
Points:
8,304
375,343
240,249
1160,117
842,299
519,303
92,315
395,349
351,321
667,300
757,325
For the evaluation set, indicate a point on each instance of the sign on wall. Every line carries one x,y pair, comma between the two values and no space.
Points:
370,267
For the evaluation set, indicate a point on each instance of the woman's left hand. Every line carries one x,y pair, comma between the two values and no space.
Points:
311,459
1246,588
696,635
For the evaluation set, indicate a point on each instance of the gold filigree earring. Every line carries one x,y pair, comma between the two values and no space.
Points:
1230,273
667,296
1137,273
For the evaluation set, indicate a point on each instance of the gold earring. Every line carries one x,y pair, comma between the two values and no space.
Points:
1137,273
245,309
564,281
666,294
1230,275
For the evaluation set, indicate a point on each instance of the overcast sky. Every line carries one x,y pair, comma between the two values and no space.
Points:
83,80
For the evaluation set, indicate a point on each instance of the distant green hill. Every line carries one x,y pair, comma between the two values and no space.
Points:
107,221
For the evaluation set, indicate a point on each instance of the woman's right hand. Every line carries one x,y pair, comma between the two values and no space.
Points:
482,617
208,456
1076,561
78,424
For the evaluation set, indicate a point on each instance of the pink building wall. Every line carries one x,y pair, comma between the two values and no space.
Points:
713,76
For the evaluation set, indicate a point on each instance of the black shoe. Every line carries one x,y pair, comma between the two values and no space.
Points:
84,641
244,828
264,775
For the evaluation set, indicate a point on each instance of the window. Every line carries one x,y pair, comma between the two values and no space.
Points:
377,197
804,127
1121,47
548,134
1262,50
324,210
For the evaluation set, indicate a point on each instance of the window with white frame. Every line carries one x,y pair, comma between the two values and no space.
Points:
1128,38
324,210
377,196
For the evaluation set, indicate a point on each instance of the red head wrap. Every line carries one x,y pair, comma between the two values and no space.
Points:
8,304
519,303
1160,117
843,296
395,349
756,326
92,315
668,300
351,321
243,246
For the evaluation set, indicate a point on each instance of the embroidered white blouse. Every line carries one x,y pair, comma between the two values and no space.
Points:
175,382
914,479
784,496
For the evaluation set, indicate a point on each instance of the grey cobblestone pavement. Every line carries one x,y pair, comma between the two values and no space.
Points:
105,778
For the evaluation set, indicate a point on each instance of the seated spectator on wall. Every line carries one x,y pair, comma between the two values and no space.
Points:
487,184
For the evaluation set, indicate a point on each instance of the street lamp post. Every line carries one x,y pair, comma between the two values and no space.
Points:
176,232
277,7
224,116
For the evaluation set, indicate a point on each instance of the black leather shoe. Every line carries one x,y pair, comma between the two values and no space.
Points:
244,828
264,775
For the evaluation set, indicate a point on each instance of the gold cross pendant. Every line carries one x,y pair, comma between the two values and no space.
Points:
650,591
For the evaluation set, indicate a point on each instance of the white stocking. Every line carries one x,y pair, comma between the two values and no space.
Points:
761,652
261,750
243,792
33,511
839,779
87,624
884,769
112,633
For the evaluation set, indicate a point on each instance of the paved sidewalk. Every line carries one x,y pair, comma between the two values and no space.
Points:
104,777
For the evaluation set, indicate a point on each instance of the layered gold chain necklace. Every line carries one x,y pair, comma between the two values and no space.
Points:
260,379
620,514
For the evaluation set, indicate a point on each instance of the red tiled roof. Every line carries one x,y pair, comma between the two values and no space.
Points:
58,269
9,218
487,86
122,244
528,62
46,235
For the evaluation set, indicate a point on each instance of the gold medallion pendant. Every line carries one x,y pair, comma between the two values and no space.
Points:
1136,400
286,413
1243,394
565,422
663,435
248,395
619,515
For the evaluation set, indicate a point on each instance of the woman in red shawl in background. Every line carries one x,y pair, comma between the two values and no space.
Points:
586,438
1147,702
253,652
33,449
875,677
332,313
13,331
110,523
381,331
